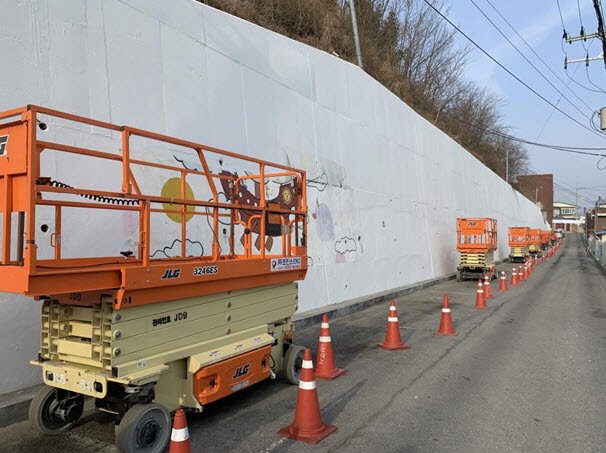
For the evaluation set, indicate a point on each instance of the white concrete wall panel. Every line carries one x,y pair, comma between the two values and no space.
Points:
385,186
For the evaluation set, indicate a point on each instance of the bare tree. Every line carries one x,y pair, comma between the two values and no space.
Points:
407,48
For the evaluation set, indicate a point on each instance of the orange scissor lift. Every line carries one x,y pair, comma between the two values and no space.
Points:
142,334
519,242
476,243
534,235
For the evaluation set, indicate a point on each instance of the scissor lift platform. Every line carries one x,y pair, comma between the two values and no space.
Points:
141,334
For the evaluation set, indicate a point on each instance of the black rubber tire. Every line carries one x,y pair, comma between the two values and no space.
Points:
41,411
144,428
293,362
459,276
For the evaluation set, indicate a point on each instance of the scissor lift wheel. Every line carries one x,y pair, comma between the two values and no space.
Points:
54,411
144,428
293,362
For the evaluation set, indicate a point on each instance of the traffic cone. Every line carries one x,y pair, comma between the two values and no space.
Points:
543,257
536,260
480,301
446,327
487,292
520,273
179,437
325,360
514,277
503,284
393,340
308,425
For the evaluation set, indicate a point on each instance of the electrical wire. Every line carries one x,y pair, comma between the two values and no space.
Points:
563,189
582,32
508,71
571,190
562,19
570,149
589,78
579,84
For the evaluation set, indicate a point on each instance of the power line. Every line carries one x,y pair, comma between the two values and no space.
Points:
509,71
563,189
582,32
582,86
570,149
591,81
562,19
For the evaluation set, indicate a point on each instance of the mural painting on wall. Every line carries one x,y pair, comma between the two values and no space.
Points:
279,192
172,189
325,226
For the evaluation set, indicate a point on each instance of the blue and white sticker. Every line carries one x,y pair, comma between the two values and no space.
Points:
285,264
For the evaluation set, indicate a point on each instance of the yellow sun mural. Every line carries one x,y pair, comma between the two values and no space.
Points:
172,189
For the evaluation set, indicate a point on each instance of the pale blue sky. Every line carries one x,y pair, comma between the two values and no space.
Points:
538,21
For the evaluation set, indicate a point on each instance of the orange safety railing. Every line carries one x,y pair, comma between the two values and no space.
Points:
476,235
519,236
138,277
534,236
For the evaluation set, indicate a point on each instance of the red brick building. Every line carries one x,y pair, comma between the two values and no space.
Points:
538,189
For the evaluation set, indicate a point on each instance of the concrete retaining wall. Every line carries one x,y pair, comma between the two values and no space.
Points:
385,185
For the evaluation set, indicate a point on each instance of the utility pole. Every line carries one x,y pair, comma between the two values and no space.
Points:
507,165
356,35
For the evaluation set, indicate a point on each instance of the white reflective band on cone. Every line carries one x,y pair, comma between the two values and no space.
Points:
480,291
445,310
304,385
392,319
324,325
392,308
308,364
324,339
179,435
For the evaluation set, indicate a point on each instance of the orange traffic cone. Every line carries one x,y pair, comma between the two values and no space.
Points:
480,301
536,260
514,277
179,438
503,284
393,340
308,425
520,273
325,360
446,327
487,292
543,257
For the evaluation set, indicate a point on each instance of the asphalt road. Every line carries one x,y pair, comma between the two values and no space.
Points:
527,374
